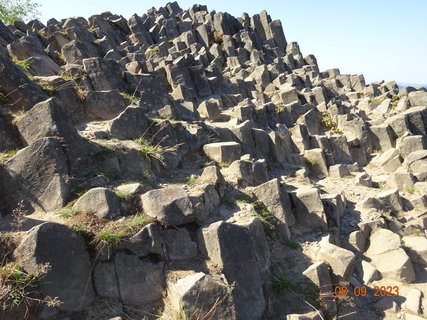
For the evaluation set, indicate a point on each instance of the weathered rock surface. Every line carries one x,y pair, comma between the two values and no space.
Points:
101,202
69,273
170,205
246,262
38,175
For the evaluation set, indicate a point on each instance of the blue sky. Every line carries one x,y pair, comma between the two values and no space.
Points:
383,39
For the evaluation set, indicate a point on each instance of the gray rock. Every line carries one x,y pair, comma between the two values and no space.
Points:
383,137
104,74
309,208
413,301
139,282
43,65
248,173
8,133
49,118
246,262
16,88
394,265
341,260
170,205
388,201
369,272
339,171
277,201
38,175
222,152
103,105
363,179
418,98
149,240
105,280
130,124
212,175
318,274
416,249
101,202
69,276
202,295
316,162
179,244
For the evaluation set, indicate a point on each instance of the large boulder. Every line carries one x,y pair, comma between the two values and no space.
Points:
241,250
247,173
179,244
16,89
277,201
341,260
201,295
104,105
309,211
101,202
8,134
49,118
38,175
388,257
418,98
318,274
222,152
69,273
130,124
416,248
170,205
140,282
105,74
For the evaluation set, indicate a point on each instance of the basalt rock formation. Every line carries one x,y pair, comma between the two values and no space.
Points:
188,164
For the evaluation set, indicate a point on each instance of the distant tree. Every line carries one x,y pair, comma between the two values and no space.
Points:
11,10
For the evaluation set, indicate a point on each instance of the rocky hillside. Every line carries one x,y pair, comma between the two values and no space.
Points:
188,164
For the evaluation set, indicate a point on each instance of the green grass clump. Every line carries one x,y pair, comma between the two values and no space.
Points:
330,124
48,89
148,149
394,101
23,63
312,162
377,101
229,201
279,107
128,95
410,190
104,152
68,213
291,243
280,283
126,196
245,198
117,231
4,156
224,164
18,287
191,181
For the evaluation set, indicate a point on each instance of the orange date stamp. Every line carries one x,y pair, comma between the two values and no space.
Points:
377,291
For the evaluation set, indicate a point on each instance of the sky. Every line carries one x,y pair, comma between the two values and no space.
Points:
382,39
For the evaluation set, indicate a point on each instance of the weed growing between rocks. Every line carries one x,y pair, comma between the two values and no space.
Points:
291,243
4,156
116,231
18,289
22,63
330,124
